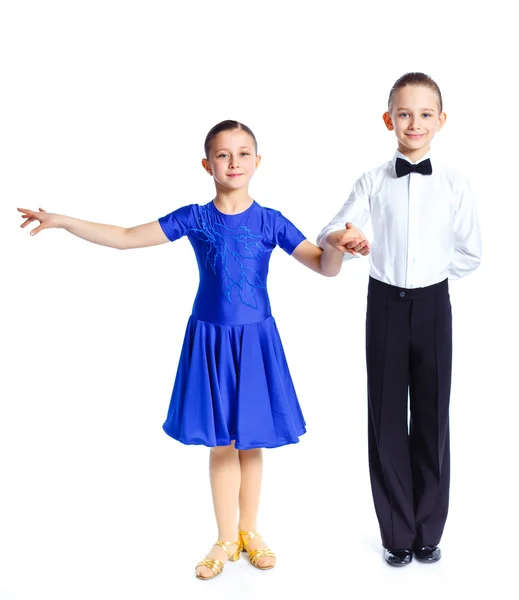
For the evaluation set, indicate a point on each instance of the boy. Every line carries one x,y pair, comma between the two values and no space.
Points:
425,231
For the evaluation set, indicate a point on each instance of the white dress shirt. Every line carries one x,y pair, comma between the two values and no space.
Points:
425,227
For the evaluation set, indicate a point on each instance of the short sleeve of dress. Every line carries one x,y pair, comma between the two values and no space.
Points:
177,223
287,235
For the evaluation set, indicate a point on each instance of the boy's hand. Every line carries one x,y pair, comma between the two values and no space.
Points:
350,240
363,247
47,220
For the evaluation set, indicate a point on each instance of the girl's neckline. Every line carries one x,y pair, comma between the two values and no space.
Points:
232,214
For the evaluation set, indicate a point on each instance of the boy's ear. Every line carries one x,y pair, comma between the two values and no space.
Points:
206,165
387,120
441,121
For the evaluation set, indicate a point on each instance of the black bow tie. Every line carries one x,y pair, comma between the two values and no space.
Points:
403,167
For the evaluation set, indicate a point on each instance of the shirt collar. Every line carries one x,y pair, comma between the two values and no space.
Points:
398,154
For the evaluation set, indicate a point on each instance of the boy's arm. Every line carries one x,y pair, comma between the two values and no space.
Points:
467,236
355,210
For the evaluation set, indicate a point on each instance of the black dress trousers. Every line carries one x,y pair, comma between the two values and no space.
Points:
409,358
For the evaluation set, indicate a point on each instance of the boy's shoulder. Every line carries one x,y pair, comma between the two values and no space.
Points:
374,174
449,176
447,169
380,170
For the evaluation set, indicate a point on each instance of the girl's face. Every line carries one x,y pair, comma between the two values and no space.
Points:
232,159
415,118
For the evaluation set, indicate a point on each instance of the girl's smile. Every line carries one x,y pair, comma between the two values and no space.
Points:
231,161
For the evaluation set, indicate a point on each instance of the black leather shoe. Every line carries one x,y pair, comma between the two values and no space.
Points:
428,554
398,558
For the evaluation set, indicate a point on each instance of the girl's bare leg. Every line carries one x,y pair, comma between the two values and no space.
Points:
224,471
251,463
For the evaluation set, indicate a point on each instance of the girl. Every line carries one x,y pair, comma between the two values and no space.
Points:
233,391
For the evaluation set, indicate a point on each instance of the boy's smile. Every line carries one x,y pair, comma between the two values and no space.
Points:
414,116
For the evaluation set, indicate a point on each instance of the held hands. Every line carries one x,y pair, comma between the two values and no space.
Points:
349,240
47,220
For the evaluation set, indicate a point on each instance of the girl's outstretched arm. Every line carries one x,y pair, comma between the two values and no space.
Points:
328,262
123,238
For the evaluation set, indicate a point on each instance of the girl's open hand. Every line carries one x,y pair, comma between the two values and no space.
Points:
47,220
350,240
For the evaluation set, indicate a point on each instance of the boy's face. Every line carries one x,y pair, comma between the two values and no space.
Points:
414,117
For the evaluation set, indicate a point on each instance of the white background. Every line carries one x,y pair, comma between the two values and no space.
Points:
104,106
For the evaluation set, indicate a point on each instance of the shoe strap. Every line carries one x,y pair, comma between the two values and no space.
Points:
223,545
250,534
256,555
214,564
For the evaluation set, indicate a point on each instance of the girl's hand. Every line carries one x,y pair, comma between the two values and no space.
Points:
349,240
359,243
47,220
113,236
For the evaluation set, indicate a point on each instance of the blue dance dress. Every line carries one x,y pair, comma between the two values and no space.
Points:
233,381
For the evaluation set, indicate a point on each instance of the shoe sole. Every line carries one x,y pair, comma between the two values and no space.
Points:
427,561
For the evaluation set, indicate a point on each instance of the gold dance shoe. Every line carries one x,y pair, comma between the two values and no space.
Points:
216,565
255,555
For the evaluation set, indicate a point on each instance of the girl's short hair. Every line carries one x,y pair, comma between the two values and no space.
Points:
415,79
226,126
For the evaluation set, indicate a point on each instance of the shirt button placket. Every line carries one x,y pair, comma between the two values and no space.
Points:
413,182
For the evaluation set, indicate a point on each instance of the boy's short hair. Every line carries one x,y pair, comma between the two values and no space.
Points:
415,79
